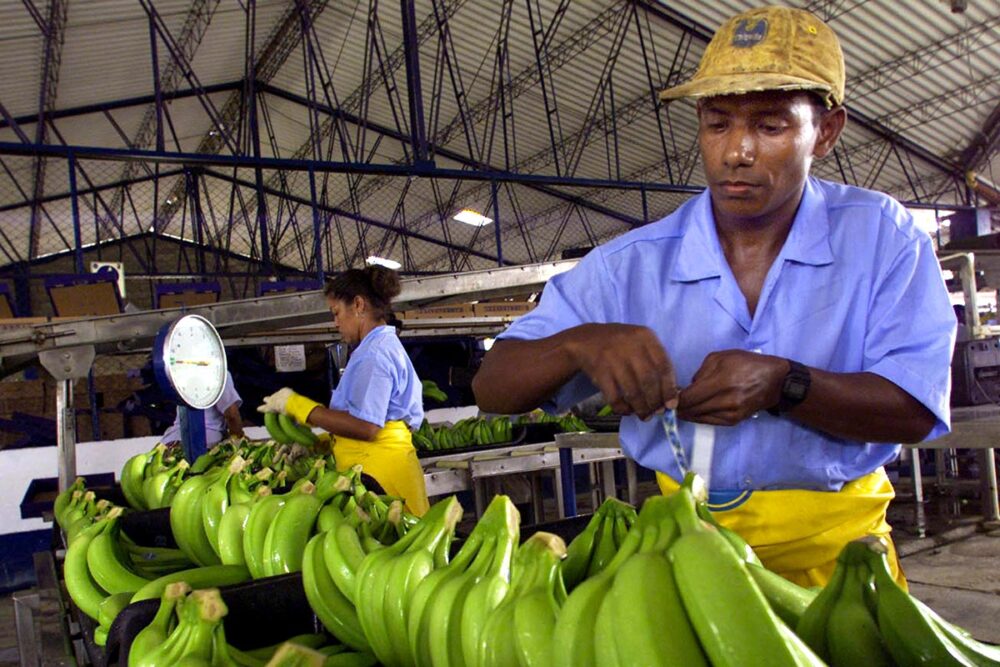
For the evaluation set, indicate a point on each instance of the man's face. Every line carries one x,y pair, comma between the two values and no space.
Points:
757,150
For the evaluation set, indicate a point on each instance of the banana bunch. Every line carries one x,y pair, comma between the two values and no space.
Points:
196,638
677,592
568,423
387,579
597,544
470,432
431,390
450,608
285,430
519,630
333,557
103,568
149,480
863,616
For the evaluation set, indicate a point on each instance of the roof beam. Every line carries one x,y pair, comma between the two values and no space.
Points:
55,33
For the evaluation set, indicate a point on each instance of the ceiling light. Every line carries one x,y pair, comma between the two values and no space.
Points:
382,261
470,217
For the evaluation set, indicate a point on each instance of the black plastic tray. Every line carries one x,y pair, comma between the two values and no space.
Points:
261,613
608,424
150,528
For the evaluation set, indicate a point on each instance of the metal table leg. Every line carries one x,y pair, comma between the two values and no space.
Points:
537,505
568,483
608,480
991,502
918,492
25,605
632,481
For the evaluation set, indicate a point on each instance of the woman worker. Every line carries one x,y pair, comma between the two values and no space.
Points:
378,399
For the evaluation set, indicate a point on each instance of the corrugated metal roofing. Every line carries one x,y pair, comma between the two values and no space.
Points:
913,66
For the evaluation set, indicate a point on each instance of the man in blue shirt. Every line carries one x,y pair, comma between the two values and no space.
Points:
807,322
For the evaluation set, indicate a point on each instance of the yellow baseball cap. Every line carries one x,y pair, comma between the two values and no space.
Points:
769,48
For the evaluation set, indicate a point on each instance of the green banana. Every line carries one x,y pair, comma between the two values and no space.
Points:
192,641
382,610
351,660
196,577
343,554
604,549
274,429
852,635
108,610
132,475
154,634
740,546
262,514
419,621
215,501
329,518
334,610
299,433
911,637
108,562
65,498
231,529
296,655
84,591
536,609
186,521
579,552
643,601
788,600
443,614
487,593
290,530
812,624
713,581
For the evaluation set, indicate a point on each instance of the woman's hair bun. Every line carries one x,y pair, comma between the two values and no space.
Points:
385,282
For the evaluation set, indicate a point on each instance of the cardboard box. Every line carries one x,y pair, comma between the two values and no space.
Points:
439,312
503,308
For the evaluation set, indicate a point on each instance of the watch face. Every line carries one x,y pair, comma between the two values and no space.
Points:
195,361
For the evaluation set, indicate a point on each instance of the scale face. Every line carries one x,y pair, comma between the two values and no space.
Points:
193,361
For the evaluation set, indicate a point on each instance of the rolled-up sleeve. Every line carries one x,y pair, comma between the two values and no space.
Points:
582,295
911,331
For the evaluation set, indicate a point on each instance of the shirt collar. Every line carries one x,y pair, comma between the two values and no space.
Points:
700,253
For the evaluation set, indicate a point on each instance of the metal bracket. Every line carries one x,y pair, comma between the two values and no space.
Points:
65,366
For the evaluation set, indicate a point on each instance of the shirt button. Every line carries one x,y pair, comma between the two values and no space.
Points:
747,481
757,350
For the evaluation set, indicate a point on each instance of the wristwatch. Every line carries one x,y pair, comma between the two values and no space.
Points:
794,388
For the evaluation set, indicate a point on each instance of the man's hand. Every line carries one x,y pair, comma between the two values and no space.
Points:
628,365
277,402
731,386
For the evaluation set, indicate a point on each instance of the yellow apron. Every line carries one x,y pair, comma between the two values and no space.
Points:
391,460
799,533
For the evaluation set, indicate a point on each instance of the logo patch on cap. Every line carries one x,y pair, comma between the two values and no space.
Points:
749,33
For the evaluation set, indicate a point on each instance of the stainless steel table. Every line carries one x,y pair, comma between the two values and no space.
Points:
449,473
975,427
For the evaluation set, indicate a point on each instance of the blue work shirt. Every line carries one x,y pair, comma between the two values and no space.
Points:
379,384
856,287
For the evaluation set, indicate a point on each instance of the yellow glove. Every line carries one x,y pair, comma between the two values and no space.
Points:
298,407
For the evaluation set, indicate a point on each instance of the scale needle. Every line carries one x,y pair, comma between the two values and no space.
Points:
192,362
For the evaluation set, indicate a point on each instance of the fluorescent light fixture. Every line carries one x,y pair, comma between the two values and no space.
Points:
382,261
470,217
